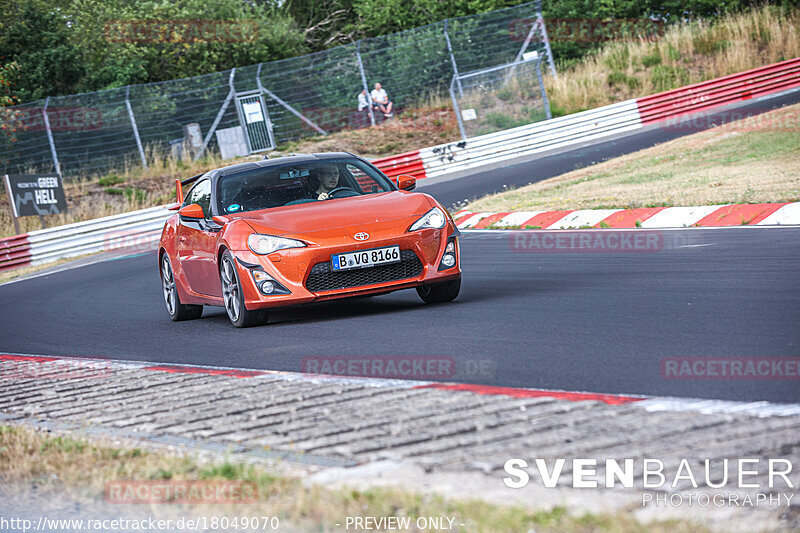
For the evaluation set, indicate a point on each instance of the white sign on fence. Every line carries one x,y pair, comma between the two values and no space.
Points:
469,114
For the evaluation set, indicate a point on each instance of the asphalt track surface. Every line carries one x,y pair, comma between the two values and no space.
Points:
599,322
453,191
596,322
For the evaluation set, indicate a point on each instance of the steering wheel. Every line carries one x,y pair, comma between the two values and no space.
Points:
339,189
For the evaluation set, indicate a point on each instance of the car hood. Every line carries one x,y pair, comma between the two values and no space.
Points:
339,213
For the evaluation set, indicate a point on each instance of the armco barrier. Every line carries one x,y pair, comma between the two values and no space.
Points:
715,93
408,163
531,139
14,252
596,124
136,230
142,228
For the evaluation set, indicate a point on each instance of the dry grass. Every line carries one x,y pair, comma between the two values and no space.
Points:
750,161
53,466
685,54
412,129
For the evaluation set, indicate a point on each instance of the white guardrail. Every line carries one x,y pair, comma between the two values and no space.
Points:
534,138
132,231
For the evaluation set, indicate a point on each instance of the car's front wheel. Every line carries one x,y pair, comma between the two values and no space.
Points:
240,316
440,292
177,311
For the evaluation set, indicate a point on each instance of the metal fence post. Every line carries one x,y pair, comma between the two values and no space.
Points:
458,110
452,58
217,119
270,124
133,125
545,101
364,82
50,140
550,61
294,111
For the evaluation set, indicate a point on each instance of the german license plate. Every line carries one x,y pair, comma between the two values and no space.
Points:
365,258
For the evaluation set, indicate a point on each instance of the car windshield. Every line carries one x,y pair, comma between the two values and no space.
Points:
298,183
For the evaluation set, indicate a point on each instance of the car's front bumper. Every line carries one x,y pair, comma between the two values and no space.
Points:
294,269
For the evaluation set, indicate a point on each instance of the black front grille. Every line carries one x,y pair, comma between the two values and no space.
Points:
323,278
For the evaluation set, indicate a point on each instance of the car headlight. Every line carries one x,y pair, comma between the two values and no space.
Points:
435,219
266,244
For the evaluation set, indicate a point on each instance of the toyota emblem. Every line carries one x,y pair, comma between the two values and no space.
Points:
361,236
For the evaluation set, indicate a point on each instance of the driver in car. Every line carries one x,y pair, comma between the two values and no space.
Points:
328,176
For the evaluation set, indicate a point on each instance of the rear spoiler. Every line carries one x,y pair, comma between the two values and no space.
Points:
179,185
189,181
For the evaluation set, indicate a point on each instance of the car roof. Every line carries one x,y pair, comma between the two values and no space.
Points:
295,158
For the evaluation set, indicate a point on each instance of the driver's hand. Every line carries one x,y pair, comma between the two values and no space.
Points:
322,196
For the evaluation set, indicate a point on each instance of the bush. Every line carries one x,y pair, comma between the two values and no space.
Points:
132,194
620,78
665,77
651,60
616,77
108,181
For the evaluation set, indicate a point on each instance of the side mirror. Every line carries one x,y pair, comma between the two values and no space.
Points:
191,211
406,182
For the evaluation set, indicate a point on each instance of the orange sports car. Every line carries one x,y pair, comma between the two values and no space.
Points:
300,229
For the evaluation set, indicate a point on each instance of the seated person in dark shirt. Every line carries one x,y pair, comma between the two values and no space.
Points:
328,179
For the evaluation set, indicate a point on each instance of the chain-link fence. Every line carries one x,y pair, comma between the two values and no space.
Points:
260,105
499,98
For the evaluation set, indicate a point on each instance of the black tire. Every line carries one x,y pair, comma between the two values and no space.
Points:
440,292
239,315
177,311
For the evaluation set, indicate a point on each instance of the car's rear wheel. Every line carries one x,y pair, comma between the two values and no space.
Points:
233,297
440,292
177,311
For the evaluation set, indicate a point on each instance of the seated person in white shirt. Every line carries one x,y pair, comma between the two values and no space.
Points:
363,100
363,108
380,100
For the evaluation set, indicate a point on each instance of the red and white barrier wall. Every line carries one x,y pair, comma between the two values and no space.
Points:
140,230
777,214
669,107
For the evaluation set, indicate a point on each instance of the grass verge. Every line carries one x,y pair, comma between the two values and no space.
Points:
686,53
12,274
748,161
62,464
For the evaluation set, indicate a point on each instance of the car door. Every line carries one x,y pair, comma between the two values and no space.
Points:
197,244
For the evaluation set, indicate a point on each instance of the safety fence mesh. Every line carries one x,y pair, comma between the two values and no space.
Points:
308,95
499,98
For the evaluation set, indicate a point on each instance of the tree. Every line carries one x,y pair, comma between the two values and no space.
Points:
36,37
